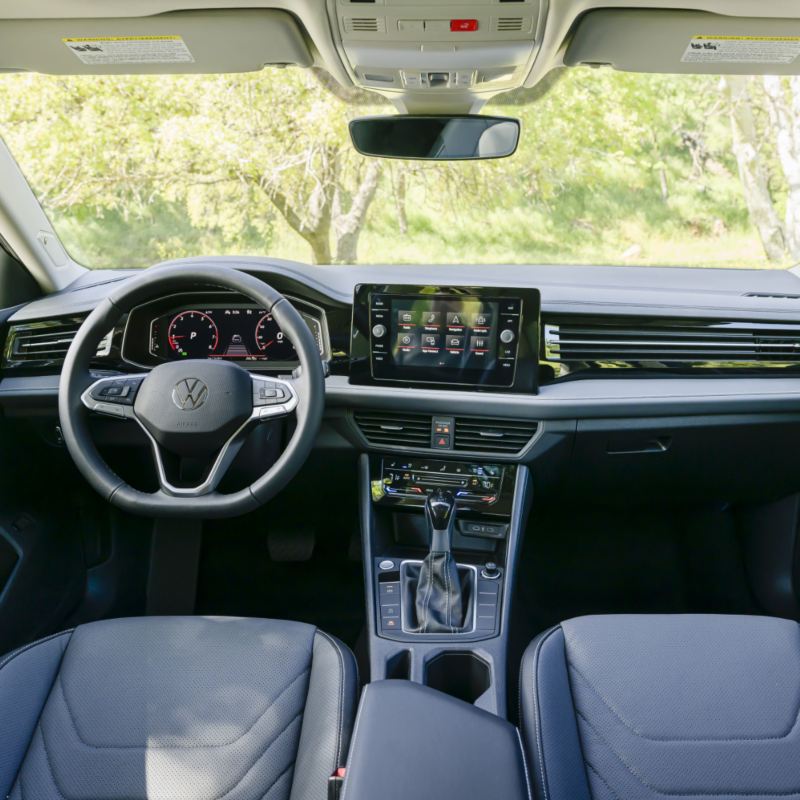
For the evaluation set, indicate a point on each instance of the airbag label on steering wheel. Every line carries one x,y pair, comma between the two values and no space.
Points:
742,49
99,50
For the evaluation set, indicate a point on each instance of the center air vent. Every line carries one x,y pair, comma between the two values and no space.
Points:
398,430
470,434
673,341
483,435
45,343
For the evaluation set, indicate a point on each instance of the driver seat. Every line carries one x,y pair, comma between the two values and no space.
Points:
203,708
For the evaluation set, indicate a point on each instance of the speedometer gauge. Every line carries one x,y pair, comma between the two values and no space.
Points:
271,342
193,334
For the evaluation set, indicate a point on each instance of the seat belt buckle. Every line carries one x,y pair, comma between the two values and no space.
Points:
335,783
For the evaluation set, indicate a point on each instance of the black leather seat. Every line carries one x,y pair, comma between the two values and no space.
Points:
682,707
176,707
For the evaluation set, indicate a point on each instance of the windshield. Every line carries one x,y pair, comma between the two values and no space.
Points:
612,168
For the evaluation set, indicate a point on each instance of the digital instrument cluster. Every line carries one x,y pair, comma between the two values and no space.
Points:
239,333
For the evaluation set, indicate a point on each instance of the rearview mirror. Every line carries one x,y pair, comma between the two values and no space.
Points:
435,138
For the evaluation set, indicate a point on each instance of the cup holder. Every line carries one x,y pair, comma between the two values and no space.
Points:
462,675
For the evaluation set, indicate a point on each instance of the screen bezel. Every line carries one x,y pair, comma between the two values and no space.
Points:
527,360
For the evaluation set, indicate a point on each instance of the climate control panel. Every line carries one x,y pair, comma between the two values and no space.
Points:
473,484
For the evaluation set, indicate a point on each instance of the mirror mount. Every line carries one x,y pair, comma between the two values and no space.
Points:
435,137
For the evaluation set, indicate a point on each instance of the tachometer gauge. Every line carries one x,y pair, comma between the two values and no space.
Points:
271,342
192,334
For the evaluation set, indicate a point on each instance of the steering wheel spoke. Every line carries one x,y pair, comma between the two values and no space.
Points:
214,474
273,397
113,396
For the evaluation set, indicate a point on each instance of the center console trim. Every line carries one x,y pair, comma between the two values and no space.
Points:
422,649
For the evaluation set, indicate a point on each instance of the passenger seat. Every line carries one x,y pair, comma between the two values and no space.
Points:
681,707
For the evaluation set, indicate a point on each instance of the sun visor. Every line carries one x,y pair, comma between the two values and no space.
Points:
186,41
641,40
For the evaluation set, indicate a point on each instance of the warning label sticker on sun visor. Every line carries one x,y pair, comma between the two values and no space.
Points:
130,49
742,49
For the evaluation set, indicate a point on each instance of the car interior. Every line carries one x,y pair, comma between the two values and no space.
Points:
380,531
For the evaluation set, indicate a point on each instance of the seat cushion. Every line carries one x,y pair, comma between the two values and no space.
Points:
678,706
176,707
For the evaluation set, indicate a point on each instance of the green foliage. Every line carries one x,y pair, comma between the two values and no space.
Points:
611,168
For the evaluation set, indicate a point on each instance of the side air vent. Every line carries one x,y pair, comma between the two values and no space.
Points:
481,435
673,341
364,25
509,24
45,343
398,430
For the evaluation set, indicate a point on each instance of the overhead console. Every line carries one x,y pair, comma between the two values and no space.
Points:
449,336
433,53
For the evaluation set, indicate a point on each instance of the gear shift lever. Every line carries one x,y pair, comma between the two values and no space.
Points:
438,603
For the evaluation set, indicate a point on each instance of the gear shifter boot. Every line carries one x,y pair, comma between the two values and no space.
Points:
438,603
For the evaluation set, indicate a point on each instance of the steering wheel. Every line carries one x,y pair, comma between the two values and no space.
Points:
193,408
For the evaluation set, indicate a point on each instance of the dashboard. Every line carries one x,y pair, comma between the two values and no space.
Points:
616,381
594,342
215,326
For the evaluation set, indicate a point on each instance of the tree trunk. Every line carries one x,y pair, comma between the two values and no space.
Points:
751,170
347,227
400,187
315,225
786,128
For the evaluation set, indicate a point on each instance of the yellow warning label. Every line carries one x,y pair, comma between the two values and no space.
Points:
742,49
123,39
99,50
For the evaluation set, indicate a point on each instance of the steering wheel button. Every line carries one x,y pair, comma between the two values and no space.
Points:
110,408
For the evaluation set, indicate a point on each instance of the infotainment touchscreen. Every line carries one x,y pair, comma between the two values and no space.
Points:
444,338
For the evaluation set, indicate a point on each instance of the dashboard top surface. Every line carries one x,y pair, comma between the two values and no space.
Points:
677,291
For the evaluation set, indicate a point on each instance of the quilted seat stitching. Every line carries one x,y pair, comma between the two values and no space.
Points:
227,791
630,726
272,785
665,793
224,792
49,764
177,747
20,650
602,780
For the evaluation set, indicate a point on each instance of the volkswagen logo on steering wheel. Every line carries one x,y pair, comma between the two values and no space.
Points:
189,394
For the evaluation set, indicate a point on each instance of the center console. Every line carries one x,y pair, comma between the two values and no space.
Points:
443,501
463,655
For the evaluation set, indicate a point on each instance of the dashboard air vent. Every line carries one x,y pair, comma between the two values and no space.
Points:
364,25
398,430
668,341
45,342
509,24
484,435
